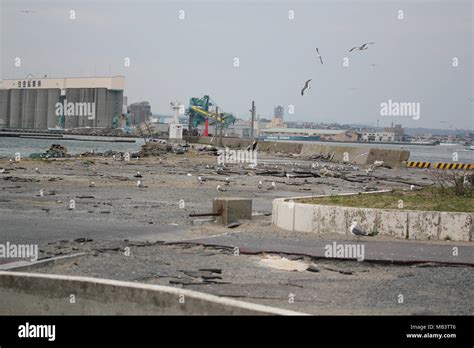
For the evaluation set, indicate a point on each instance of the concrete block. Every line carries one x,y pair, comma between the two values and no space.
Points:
472,228
392,223
331,219
366,218
455,226
285,216
232,209
423,225
39,294
305,218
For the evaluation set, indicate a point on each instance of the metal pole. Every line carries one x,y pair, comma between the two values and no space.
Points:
252,123
218,140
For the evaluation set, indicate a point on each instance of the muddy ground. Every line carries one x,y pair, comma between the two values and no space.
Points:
115,214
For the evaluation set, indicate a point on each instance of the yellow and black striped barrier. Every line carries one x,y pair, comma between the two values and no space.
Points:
418,164
440,165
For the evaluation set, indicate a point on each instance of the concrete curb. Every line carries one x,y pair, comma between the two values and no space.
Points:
29,265
47,294
406,224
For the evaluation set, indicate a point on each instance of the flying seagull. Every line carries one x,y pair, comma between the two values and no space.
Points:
362,48
306,86
319,56
27,11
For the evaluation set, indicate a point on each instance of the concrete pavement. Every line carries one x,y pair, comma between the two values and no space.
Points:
387,251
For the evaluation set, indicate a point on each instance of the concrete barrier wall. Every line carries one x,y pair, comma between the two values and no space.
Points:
355,154
391,158
406,224
46,294
274,146
358,155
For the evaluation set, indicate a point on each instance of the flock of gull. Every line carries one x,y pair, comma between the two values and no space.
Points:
363,47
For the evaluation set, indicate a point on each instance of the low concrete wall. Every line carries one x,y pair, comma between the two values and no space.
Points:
406,224
233,143
355,154
275,146
40,294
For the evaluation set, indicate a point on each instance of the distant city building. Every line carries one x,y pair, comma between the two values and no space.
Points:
385,137
343,136
279,112
397,130
238,130
140,112
278,115
33,102
301,131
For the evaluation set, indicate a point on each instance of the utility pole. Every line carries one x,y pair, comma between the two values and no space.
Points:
218,129
252,123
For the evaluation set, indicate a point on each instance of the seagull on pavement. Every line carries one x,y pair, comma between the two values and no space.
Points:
466,181
356,230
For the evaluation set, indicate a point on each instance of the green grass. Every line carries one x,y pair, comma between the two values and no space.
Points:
428,199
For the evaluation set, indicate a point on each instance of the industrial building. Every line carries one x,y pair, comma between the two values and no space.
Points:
33,102
140,112
378,137
397,130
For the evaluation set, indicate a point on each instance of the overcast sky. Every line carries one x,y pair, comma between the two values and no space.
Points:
175,59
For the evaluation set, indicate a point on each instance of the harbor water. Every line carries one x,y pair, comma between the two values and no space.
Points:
10,145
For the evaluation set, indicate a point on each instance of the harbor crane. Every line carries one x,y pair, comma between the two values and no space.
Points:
205,110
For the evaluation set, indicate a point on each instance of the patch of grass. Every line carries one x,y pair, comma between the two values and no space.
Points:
429,199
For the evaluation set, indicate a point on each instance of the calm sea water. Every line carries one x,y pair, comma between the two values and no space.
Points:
9,146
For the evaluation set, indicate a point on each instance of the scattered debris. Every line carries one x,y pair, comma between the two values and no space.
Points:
312,268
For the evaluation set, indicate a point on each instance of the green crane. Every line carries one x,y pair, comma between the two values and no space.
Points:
201,109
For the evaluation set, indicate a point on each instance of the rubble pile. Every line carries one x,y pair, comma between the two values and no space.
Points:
55,151
155,149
